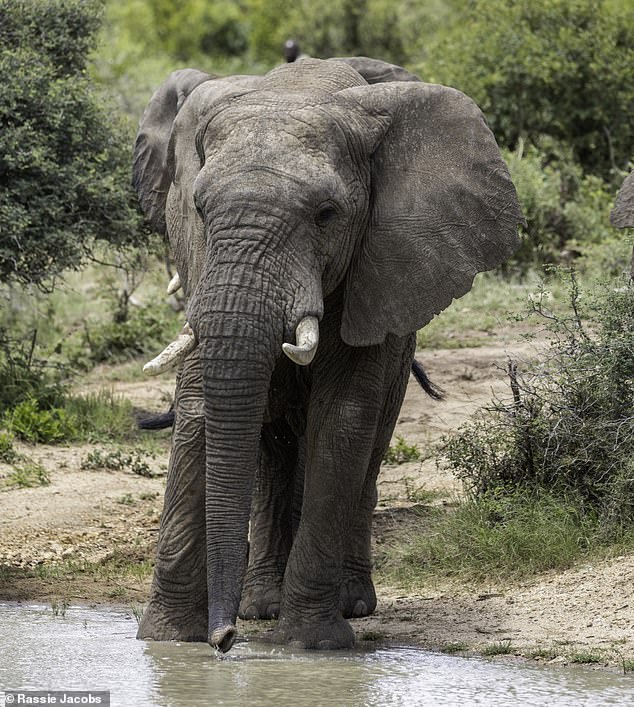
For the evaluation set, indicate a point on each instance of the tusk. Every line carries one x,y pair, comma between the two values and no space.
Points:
307,338
173,354
175,284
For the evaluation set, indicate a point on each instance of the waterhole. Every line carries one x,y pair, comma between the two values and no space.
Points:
79,648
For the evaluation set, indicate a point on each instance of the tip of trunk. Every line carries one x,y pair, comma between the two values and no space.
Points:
223,638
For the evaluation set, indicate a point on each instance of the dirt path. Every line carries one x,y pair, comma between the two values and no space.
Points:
87,518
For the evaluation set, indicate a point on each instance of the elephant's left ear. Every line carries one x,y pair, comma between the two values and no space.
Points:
443,208
150,175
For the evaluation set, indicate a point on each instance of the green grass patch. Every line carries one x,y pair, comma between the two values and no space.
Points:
542,653
116,460
453,648
26,474
628,665
136,611
485,312
491,539
102,416
58,607
370,635
134,565
586,657
401,452
498,648
420,494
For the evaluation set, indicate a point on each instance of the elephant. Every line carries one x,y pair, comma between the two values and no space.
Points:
318,215
622,215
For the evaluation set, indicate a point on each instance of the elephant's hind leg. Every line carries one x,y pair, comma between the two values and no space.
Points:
178,604
271,523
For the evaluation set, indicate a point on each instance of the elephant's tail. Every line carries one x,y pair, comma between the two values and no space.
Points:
425,383
160,421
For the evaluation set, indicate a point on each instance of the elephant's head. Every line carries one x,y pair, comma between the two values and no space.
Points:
286,192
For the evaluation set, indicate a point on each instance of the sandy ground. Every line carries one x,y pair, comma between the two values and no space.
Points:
111,518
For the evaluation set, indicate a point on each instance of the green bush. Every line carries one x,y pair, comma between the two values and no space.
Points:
377,28
8,455
196,31
192,27
29,422
569,428
91,418
588,215
566,211
145,331
24,375
64,154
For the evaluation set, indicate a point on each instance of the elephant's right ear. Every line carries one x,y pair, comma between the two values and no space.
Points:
150,176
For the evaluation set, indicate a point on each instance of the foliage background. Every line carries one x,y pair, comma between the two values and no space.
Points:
556,67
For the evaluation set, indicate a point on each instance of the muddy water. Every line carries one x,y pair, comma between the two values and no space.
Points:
93,649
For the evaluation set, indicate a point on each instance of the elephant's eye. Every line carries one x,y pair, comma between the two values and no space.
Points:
325,213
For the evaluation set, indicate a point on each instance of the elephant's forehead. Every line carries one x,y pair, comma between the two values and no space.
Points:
272,131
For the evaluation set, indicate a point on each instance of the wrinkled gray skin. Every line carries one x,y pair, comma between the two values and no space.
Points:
622,215
307,191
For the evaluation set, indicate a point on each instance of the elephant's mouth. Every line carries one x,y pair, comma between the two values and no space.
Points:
302,352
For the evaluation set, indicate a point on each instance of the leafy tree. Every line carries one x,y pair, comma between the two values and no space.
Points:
556,67
64,157
187,28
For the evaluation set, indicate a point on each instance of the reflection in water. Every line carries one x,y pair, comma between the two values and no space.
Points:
96,649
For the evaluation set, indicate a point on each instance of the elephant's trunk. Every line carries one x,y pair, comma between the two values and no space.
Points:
239,343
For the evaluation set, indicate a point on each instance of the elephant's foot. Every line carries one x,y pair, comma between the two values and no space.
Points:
261,599
334,634
357,597
160,623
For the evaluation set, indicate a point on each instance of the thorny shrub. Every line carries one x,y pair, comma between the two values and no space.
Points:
568,426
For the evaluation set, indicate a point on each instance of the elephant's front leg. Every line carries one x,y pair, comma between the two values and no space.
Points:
358,597
178,604
341,432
